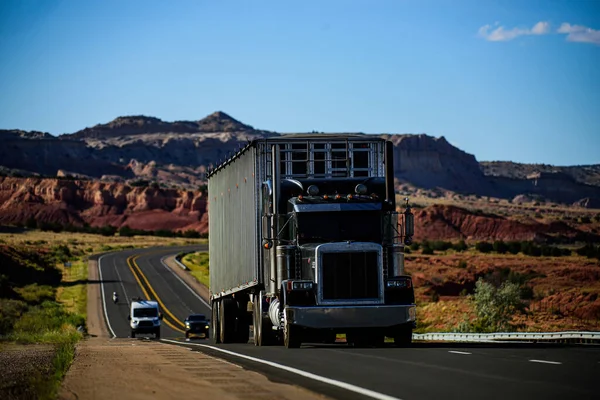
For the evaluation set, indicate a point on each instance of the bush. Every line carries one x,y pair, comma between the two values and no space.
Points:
513,247
440,245
495,307
35,294
10,312
484,247
462,264
415,246
500,247
45,318
427,250
530,249
460,246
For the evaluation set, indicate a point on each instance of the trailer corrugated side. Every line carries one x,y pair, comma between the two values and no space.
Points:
234,227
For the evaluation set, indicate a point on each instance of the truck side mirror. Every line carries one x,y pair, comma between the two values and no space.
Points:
160,316
129,317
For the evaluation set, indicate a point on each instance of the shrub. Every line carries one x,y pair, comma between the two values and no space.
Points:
484,247
513,247
462,264
427,250
500,247
460,246
495,307
10,312
415,246
440,245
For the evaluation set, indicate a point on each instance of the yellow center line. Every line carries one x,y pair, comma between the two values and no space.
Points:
131,262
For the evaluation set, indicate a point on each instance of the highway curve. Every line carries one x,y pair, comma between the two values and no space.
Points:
425,371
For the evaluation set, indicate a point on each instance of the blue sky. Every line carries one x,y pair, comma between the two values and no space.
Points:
503,80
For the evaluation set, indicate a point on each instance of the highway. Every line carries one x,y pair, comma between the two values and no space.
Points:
424,371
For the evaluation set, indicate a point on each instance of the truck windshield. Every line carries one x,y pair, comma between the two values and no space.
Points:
339,226
145,312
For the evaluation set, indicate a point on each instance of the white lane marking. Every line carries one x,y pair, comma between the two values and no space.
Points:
458,352
104,296
162,261
546,362
333,382
121,282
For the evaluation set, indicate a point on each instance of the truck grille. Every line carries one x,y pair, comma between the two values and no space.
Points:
350,276
145,324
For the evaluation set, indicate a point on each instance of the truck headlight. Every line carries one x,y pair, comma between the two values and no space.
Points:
207,327
302,285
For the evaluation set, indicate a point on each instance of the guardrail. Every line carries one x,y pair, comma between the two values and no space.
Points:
560,337
176,258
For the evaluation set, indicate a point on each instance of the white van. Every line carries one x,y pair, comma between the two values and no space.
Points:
144,317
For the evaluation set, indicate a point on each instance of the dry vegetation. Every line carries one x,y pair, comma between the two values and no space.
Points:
558,293
89,243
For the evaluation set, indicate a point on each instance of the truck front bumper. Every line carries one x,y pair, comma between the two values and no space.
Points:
351,316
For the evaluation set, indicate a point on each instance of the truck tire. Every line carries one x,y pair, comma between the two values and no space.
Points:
263,332
242,326
403,336
157,334
292,336
215,323
132,334
227,319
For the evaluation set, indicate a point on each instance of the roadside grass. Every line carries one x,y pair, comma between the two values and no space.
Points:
86,243
198,265
72,293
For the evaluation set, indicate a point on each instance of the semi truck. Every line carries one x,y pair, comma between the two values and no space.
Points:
306,243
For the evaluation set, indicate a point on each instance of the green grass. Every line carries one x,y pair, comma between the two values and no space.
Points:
49,313
198,265
74,295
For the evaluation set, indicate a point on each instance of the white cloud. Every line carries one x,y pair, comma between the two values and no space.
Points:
579,33
541,28
500,34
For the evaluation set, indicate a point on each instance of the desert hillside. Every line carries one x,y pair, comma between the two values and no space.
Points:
138,149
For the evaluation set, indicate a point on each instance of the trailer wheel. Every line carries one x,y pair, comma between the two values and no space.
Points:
403,336
227,315
215,323
292,336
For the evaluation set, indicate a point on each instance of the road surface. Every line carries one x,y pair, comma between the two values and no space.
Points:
425,371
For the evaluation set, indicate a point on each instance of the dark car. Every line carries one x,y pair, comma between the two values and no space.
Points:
197,325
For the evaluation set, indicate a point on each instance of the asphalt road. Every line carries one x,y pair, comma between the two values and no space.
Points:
117,273
425,371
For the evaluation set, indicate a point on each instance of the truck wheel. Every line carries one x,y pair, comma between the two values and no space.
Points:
242,326
132,334
157,334
227,317
263,334
215,323
292,336
403,336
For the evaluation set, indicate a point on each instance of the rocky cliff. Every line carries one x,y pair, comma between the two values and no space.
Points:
179,154
75,202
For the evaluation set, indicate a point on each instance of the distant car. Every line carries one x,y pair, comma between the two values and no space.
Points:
197,325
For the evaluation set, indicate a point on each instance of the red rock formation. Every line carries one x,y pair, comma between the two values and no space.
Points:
440,222
97,204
